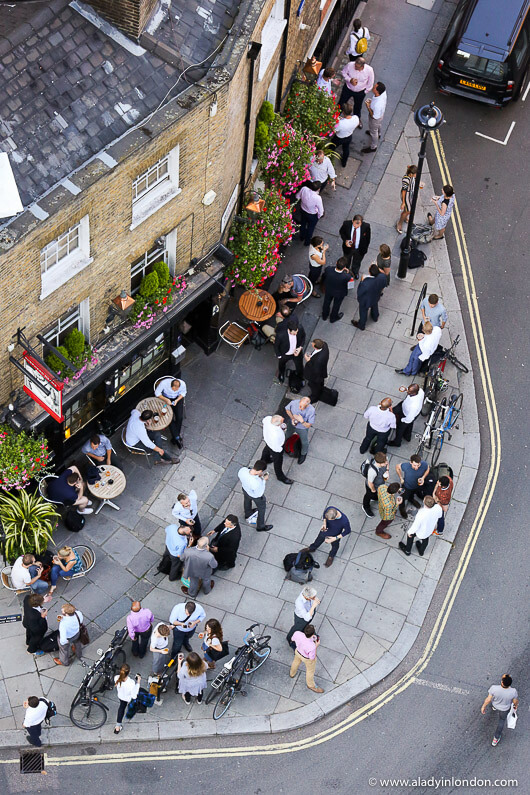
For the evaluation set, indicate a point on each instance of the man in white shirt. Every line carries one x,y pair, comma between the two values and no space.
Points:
173,391
26,571
344,128
69,631
428,343
186,510
137,435
376,110
311,209
253,481
321,170
36,709
422,527
274,438
304,609
381,420
406,412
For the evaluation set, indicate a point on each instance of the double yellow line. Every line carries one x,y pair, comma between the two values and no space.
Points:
441,620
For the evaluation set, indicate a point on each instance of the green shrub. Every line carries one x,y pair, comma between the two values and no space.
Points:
54,363
149,285
162,271
261,137
266,114
75,344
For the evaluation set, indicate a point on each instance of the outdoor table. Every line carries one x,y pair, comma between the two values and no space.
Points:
157,406
248,305
111,484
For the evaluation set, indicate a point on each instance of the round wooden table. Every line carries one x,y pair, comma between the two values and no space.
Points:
248,305
106,491
157,406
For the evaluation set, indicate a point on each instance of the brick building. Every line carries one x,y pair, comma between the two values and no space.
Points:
129,126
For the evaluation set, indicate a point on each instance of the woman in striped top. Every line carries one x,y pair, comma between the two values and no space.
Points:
407,189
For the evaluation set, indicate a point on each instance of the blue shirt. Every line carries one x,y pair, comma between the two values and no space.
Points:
175,541
179,614
337,527
164,388
411,476
101,449
436,314
307,414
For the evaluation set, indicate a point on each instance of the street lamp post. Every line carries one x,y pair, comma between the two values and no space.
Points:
428,117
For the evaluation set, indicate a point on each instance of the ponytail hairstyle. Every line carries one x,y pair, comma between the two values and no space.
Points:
124,673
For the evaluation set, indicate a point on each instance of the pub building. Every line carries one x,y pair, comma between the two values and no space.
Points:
129,360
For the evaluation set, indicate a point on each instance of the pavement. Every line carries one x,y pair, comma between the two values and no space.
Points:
373,599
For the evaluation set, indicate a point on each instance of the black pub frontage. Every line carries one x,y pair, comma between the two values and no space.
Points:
129,360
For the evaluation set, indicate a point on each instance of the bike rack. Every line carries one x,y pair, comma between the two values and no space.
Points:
420,299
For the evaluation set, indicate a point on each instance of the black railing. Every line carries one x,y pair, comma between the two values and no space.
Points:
340,18
420,299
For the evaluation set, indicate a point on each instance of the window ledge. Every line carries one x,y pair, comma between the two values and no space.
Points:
270,38
62,273
146,207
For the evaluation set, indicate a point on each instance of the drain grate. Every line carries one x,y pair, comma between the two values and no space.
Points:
32,761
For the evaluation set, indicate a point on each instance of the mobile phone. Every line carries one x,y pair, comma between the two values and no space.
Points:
317,637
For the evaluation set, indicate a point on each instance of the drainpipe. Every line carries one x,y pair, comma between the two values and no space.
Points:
252,54
283,55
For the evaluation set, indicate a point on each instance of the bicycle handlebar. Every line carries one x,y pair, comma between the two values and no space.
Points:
249,629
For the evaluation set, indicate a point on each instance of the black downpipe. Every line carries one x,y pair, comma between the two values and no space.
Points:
283,55
253,52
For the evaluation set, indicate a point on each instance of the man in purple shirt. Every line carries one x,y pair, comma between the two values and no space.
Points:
311,209
359,78
307,643
139,624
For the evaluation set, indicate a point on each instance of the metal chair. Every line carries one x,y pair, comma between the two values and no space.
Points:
7,583
234,335
88,557
43,490
308,287
135,450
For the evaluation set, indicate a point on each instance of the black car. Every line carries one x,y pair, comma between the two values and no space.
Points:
486,51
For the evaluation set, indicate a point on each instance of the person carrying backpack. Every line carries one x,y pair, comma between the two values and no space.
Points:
359,38
38,710
375,471
299,567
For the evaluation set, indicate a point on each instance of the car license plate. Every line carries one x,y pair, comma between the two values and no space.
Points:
471,84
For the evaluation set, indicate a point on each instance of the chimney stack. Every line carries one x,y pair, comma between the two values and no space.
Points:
130,16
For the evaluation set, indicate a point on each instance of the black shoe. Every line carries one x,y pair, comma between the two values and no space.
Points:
403,548
415,503
265,528
287,481
368,513
368,149
179,442
356,324
394,444
199,698
400,371
420,550
341,314
224,568
403,513
324,318
187,647
281,379
301,459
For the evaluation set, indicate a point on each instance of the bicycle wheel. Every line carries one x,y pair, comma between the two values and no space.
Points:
430,387
223,702
421,447
437,413
117,660
456,406
257,658
437,449
87,713
457,363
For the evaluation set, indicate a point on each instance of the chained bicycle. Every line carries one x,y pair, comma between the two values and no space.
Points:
87,711
435,383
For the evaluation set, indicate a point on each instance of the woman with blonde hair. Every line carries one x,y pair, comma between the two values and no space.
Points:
127,689
191,674
66,563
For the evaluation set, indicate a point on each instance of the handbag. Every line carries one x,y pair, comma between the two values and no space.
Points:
215,654
511,718
83,632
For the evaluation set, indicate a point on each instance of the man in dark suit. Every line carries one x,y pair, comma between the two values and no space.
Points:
336,289
368,294
34,622
316,367
356,235
289,343
225,541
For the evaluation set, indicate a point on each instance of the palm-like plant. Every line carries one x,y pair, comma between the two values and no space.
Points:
28,521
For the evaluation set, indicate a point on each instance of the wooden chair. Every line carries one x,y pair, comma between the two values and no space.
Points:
136,450
7,583
234,335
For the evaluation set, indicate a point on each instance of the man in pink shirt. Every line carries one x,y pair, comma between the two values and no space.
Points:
359,78
307,643
311,209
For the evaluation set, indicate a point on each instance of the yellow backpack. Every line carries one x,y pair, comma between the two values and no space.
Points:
362,43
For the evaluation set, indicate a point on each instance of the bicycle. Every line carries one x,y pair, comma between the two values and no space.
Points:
247,659
87,711
430,427
451,416
434,381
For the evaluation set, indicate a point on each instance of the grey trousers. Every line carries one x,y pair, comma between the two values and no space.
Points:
501,723
374,128
302,433
196,583
65,651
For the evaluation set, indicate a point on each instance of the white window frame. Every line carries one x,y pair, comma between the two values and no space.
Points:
164,188
57,270
148,258
78,317
271,36
272,91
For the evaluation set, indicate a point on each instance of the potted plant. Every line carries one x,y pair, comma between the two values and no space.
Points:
285,159
157,292
28,522
311,109
22,456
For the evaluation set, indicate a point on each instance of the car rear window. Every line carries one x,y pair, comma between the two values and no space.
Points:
476,66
